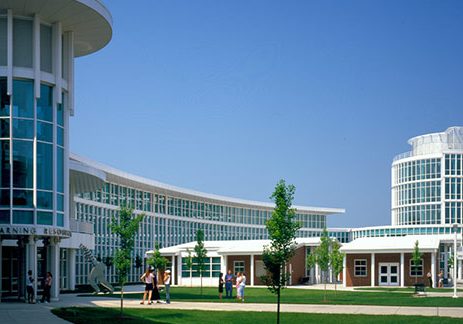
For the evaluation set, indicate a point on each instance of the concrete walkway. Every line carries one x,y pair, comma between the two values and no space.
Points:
41,313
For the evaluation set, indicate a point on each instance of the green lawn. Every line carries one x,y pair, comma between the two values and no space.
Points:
408,289
309,296
92,315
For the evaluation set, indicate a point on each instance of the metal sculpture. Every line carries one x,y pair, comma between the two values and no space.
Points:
97,274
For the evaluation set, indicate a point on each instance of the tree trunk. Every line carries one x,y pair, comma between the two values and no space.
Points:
324,294
201,284
278,305
122,300
191,282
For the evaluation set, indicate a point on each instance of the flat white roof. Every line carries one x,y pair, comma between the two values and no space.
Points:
233,247
426,243
148,184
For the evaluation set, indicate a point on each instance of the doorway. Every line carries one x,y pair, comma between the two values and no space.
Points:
388,274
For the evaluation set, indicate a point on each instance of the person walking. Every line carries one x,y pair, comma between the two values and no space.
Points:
147,278
155,295
47,288
241,286
30,287
429,275
237,285
441,279
221,282
229,284
167,280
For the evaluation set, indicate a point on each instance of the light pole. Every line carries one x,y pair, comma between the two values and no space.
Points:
455,228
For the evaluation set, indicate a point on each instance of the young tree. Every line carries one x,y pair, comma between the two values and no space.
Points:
322,256
337,258
138,262
189,264
157,261
282,229
201,255
416,258
125,227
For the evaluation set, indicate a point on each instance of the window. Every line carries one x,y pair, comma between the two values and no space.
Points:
238,266
360,268
416,270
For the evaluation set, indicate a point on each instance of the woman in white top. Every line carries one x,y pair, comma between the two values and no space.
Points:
147,278
167,285
238,282
241,286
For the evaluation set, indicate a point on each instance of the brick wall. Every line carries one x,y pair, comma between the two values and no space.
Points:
351,279
298,265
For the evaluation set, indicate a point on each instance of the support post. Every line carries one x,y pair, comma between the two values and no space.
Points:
252,269
54,268
72,268
344,271
172,277
402,270
372,278
31,261
433,269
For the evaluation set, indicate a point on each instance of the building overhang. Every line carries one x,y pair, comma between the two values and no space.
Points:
84,178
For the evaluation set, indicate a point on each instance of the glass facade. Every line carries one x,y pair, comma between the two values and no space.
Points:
27,182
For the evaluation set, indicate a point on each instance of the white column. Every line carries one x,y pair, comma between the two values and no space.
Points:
31,261
72,268
54,268
179,264
344,271
402,270
223,264
317,274
252,269
433,269
172,277
372,271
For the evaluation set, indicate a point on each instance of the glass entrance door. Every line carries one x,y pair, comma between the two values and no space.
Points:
388,274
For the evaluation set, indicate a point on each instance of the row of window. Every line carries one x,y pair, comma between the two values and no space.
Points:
418,215
454,164
454,188
361,268
145,201
453,212
211,268
397,231
418,192
417,170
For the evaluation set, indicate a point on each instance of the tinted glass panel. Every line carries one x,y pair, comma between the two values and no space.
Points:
60,202
60,219
3,42
44,218
4,99
5,198
60,114
5,164
22,164
44,166
59,136
23,99
45,103
45,132
22,42
4,216
23,217
45,48
4,127
23,198
60,169
23,128
44,200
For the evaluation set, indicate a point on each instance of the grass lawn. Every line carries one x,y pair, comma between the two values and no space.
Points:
309,296
87,315
409,289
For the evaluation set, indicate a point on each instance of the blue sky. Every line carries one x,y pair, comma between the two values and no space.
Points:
227,97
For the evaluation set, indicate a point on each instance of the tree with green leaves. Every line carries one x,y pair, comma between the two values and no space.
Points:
157,261
189,264
417,257
336,261
125,226
138,262
201,255
322,256
282,228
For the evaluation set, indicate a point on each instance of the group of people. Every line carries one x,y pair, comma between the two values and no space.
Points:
46,287
152,286
240,283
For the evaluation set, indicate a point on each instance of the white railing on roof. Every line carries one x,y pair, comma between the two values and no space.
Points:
402,155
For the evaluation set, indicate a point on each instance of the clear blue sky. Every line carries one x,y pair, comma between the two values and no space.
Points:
227,97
